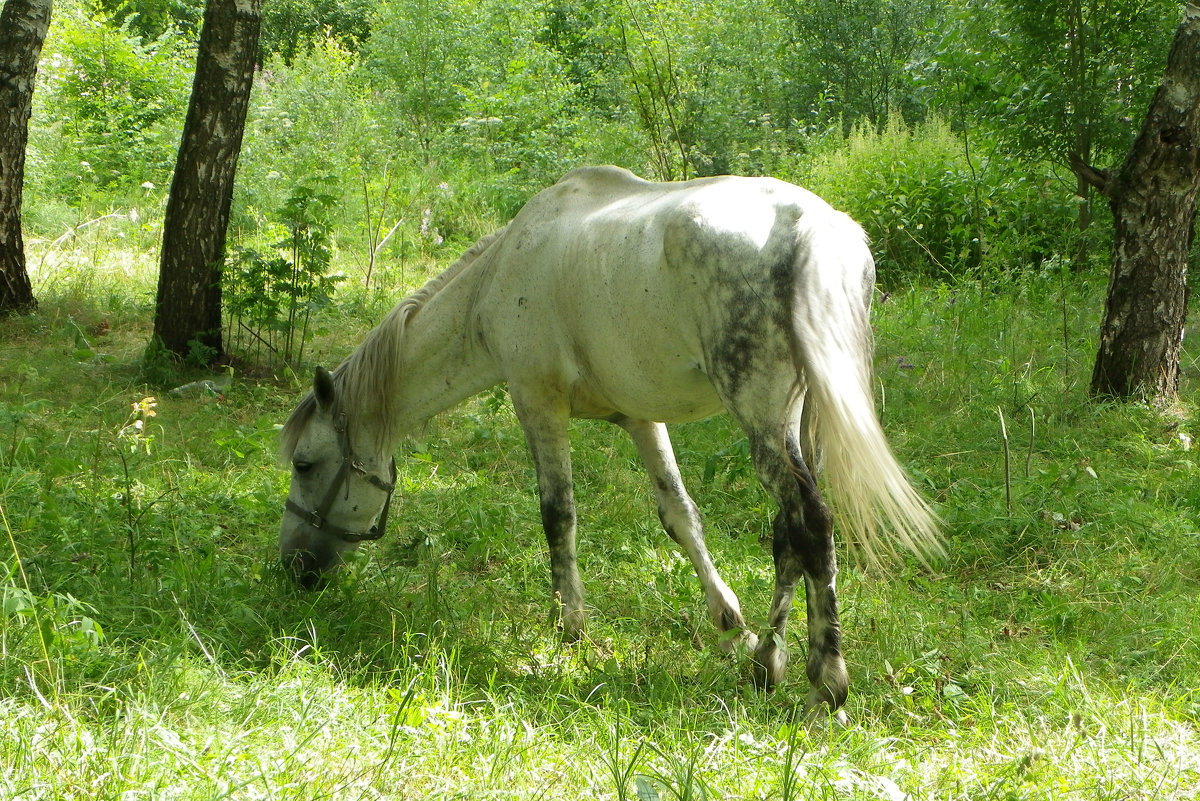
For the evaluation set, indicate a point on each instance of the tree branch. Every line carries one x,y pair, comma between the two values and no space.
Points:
1100,180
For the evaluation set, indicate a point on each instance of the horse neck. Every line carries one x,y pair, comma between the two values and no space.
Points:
440,362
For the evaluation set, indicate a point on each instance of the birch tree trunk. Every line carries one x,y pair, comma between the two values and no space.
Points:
187,315
1153,200
23,26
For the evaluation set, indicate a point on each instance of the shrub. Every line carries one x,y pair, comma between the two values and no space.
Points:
108,111
933,212
521,131
271,293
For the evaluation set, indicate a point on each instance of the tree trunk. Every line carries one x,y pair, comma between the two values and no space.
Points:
1153,200
23,26
187,316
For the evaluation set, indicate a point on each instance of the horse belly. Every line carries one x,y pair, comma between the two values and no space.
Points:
632,360
643,389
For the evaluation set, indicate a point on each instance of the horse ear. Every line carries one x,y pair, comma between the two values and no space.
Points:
323,388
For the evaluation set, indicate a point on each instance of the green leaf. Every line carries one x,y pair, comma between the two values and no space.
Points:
645,790
17,601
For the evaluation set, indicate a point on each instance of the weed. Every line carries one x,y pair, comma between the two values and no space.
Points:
271,295
620,768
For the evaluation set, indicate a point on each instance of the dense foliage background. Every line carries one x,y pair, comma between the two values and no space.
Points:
943,126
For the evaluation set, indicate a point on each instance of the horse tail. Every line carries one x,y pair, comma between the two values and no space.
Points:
832,347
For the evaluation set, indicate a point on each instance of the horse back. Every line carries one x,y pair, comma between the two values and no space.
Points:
635,295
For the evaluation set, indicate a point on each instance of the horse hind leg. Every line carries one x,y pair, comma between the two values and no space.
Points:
803,546
681,519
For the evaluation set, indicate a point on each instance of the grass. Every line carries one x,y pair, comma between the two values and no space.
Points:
149,647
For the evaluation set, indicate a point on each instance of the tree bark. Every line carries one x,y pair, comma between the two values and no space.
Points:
187,317
23,27
1153,200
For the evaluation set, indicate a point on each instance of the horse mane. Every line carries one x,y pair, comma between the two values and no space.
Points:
365,382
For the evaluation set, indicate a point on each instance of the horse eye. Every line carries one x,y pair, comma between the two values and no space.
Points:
302,467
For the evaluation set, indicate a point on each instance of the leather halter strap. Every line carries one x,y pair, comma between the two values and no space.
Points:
317,517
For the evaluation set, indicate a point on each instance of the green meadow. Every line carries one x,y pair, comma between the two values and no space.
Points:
151,647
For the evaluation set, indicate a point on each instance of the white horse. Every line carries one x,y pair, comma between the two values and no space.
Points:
639,303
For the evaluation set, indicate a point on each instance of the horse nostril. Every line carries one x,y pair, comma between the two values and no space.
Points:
304,568
309,579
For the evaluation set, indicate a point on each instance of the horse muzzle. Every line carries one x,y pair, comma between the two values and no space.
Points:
308,556
304,569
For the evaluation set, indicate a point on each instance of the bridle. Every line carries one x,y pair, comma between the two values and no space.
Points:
316,517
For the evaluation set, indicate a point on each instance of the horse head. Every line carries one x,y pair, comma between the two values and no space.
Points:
341,485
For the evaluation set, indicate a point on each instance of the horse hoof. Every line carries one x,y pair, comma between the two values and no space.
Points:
768,665
568,622
819,715
571,628
569,635
733,642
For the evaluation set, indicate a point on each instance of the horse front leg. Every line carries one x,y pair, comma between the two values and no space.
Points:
545,425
